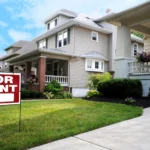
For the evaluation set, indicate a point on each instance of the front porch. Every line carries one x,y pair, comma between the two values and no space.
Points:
136,68
43,70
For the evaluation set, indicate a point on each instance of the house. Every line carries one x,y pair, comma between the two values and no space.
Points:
72,48
133,19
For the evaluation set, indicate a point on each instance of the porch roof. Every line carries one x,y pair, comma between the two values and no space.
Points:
38,51
136,18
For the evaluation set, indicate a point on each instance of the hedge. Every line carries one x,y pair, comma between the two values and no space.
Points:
31,94
121,88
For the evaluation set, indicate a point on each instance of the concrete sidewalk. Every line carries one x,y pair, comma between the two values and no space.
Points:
133,134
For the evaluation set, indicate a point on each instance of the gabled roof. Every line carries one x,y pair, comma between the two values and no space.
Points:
94,54
63,12
18,44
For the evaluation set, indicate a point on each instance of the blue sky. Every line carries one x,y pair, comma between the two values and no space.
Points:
23,19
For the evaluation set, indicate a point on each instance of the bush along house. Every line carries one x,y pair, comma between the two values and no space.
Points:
73,47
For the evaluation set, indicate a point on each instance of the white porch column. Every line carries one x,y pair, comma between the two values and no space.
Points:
123,52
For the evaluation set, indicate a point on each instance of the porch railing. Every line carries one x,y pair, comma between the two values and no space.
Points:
139,68
63,80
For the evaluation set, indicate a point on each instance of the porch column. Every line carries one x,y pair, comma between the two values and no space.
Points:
11,68
28,66
41,72
123,52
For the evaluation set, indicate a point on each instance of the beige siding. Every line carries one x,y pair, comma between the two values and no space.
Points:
63,19
147,44
78,75
84,44
69,47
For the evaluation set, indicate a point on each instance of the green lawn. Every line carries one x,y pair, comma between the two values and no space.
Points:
48,120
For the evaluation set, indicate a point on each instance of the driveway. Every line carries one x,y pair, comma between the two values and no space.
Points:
133,134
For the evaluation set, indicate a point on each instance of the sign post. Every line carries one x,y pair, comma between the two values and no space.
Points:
10,90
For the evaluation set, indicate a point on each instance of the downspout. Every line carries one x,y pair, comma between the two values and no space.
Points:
71,58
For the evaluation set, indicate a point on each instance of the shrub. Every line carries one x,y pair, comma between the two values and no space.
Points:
130,100
121,88
93,93
25,94
53,87
67,95
48,95
94,79
63,95
31,94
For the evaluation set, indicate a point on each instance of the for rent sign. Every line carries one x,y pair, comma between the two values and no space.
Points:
10,88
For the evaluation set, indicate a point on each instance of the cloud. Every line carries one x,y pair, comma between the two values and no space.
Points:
33,12
19,35
3,24
3,1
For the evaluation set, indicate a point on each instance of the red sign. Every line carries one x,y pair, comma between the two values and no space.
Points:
10,87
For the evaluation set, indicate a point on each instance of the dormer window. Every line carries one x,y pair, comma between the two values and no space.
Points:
52,24
42,44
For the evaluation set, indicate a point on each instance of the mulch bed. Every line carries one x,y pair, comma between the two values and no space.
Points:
140,102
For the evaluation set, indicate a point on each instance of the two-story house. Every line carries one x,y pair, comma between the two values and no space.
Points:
73,47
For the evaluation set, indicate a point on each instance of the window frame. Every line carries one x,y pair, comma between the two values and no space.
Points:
53,20
62,32
134,49
42,41
93,68
96,36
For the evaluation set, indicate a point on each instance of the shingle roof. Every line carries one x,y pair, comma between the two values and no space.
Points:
68,12
19,43
64,12
94,54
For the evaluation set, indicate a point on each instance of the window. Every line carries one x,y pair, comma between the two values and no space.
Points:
94,65
62,38
42,44
89,63
135,49
5,65
48,26
52,24
94,36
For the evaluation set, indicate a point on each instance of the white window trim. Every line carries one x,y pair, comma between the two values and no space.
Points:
62,32
133,48
42,41
51,22
93,69
96,36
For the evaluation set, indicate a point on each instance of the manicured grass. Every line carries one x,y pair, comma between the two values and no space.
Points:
48,120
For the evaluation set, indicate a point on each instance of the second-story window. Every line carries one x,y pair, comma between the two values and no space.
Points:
42,44
94,36
135,49
52,24
62,38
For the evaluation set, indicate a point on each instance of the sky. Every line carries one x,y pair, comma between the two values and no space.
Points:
23,19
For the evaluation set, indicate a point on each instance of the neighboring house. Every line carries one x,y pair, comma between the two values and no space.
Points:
73,47
133,19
